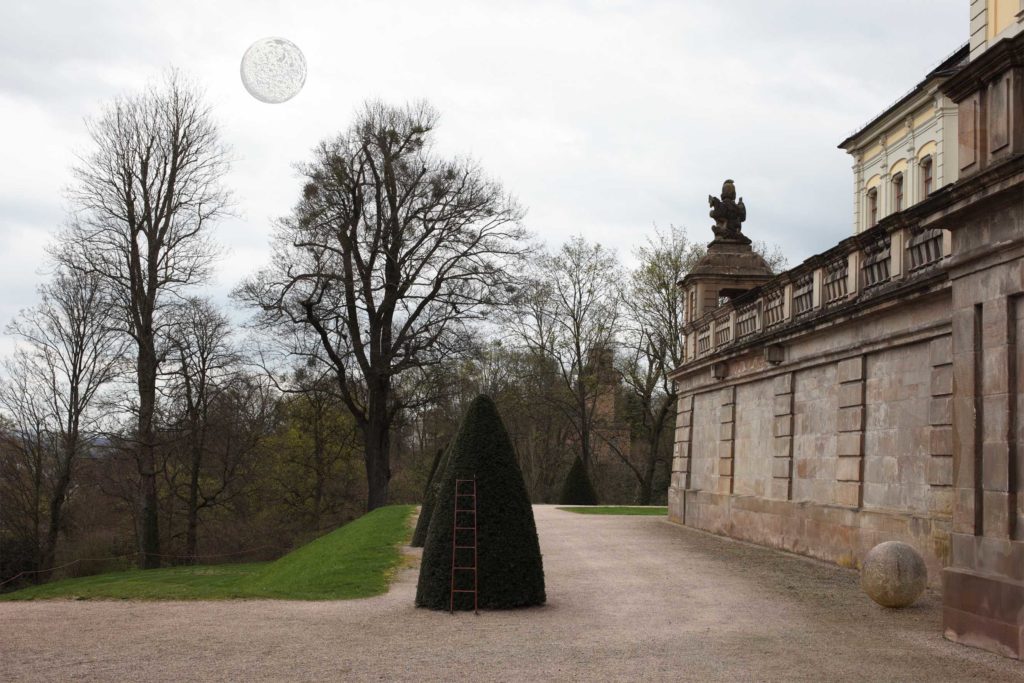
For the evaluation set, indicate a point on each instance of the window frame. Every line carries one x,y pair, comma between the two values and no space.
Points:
898,195
872,207
927,175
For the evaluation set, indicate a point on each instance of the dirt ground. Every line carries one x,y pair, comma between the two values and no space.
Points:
629,598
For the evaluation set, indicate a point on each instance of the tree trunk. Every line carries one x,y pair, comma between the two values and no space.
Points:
377,440
193,504
648,479
37,522
377,445
319,474
60,492
149,527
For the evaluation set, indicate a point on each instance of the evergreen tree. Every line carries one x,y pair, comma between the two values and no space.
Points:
509,564
577,489
419,536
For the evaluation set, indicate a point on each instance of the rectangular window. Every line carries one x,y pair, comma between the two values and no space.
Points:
872,207
999,114
897,192
926,176
967,124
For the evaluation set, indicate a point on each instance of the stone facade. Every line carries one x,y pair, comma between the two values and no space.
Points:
872,393
911,145
983,588
828,452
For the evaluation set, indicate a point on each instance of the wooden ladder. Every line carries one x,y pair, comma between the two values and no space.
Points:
465,489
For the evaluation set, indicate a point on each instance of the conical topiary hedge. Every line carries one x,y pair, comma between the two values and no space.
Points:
419,536
577,489
508,555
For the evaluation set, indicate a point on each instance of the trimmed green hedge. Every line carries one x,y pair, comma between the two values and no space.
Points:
511,573
419,536
577,489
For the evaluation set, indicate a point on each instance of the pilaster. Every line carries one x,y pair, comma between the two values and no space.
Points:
782,442
850,440
940,420
681,452
726,445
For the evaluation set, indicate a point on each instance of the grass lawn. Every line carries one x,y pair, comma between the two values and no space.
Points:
618,510
354,561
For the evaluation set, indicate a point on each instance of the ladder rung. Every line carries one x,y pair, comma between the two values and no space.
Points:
465,490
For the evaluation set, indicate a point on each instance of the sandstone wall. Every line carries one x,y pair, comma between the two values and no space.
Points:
815,401
896,431
705,445
753,427
844,445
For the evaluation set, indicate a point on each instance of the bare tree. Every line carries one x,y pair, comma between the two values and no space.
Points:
202,363
145,199
568,313
69,351
650,345
388,255
24,457
318,447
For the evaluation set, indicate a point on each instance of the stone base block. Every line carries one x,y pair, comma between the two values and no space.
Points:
833,533
780,489
983,611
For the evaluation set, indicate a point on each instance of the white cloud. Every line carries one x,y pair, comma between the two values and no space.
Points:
604,118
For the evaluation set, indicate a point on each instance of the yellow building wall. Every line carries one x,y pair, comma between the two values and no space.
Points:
896,135
1001,14
872,152
924,116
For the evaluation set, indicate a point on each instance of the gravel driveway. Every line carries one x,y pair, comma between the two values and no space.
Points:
630,598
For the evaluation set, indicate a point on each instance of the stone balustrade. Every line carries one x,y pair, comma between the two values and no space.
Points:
858,268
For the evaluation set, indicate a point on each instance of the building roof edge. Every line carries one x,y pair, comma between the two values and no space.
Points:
946,68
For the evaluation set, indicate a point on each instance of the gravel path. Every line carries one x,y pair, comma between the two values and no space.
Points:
630,598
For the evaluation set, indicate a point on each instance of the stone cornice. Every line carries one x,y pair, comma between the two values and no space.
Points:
943,209
1004,54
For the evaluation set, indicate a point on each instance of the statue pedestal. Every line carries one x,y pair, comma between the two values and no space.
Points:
730,268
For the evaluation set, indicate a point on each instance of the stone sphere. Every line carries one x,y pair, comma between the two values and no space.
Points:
893,574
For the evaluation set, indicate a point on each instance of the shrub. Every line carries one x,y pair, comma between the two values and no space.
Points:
577,489
508,554
419,536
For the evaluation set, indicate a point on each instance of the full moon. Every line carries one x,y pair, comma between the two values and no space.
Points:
273,70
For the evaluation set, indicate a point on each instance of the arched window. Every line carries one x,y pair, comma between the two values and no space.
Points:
872,207
926,176
897,192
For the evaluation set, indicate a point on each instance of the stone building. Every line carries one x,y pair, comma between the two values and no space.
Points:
611,444
906,152
872,393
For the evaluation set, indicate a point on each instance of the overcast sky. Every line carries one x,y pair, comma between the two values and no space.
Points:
603,118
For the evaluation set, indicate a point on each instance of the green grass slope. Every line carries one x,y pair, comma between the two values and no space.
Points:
354,561
618,510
